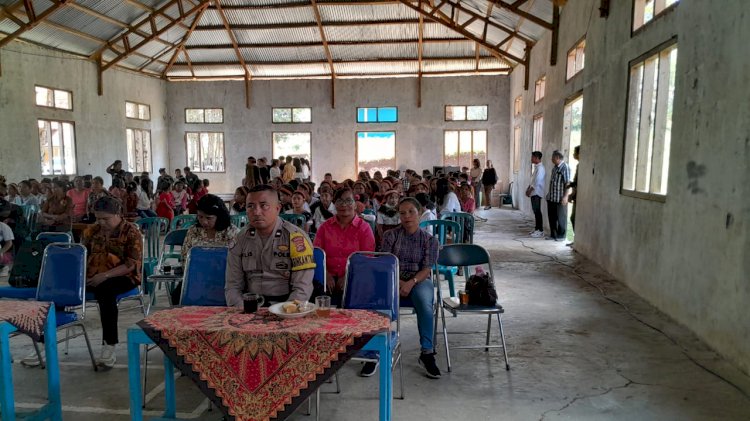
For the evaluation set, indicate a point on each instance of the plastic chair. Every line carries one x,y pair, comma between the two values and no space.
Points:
55,237
183,222
442,229
239,220
465,255
205,275
62,281
465,222
298,220
151,229
372,283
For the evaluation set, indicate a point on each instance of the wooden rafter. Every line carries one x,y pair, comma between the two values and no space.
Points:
363,60
153,11
484,31
516,9
306,3
351,75
330,43
233,39
420,52
299,25
181,44
323,38
435,14
155,32
34,19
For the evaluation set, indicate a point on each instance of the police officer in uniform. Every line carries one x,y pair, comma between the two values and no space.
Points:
270,256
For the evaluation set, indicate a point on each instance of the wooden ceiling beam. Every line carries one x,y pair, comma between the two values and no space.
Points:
305,3
364,60
233,39
498,71
420,46
154,35
181,44
329,57
521,13
151,10
297,25
34,19
330,43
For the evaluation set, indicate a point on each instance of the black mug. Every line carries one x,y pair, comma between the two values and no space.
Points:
166,268
252,302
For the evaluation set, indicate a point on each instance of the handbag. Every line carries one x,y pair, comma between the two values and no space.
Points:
481,289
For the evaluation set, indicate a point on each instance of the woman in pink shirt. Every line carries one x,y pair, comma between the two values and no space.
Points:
80,196
341,236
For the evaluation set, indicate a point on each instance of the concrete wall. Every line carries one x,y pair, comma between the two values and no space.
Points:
419,131
100,121
690,256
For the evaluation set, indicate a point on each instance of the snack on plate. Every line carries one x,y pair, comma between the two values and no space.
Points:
292,307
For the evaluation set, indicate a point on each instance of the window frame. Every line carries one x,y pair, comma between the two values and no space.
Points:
517,140
466,112
572,49
223,150
542,81
641,58
150,166
657,15
356,146
291,112
537,117
518,106
53,107
75,147
486,144
204,116
138,105
377,118
285,131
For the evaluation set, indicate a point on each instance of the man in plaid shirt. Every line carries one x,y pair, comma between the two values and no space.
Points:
557,197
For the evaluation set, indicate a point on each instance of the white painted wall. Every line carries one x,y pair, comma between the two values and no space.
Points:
689,256
100,121
419,132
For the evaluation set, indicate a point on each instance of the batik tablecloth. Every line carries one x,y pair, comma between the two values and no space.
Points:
258,366
28,317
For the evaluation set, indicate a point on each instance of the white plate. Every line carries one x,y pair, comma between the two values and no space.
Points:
278,310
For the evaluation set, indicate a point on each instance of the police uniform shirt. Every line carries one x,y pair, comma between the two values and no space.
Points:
277,266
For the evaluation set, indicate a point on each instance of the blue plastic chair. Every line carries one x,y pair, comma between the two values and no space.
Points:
298,220
183,222
205,276
62,281
319,277
466,223
465,255
372,283
151,228
55,237
239,220
172,240
442,229
30,293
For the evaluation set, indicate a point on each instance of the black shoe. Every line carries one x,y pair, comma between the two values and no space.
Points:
427,361
369,369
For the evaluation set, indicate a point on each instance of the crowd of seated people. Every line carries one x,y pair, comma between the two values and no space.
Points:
371,213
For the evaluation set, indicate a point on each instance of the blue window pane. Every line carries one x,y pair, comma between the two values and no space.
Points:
361,115
388,114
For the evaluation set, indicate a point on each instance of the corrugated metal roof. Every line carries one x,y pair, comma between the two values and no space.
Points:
267,16
376,67
116,9
213,37
213,55
265,55
228,70
47,35
365,13
369,33
294,70
373,52
271,36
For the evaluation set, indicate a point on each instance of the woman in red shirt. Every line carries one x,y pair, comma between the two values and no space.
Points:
80,196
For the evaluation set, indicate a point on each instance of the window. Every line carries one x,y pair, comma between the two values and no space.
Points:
137,111
377,115
57,144
539,87
572,125
205,151
465,112
517,106
648,132
644,11
576,58
296,145
517,149
139,150
376,151
54,98
536,140
463,146
204,115
292,115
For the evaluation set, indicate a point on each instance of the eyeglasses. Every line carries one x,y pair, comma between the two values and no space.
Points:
344,202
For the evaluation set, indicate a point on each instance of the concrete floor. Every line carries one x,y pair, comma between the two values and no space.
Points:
581,346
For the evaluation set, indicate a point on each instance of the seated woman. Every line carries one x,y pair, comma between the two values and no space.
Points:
447,200
417,253
117,189
298,208
131,200
322,210
79,195
428,210
214,229
238,204
387,214
97,192
145,200
57,211
6,246
468,204
339,237
115,253
179,198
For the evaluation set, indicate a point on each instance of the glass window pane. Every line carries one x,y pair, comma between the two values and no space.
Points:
194,115
387,115
193,152
476,112
480,146
214,115
144,112
131,110
129,140
146,151
63,99
464,148
376,151
44,96
282,115
45,146
450,156
302,115
69,149
296,145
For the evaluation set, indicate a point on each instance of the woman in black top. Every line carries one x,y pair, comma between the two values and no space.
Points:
489,179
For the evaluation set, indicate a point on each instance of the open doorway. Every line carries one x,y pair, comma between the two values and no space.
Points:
572,123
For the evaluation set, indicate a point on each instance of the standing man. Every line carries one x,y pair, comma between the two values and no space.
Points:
263,170
178,175
557,198
191,179
116,171
270,256
574,193
164,178
535,192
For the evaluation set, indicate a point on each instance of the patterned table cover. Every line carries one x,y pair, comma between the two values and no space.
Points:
28,317
258,366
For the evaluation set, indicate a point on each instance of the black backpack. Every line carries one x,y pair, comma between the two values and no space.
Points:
481,290
27,264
